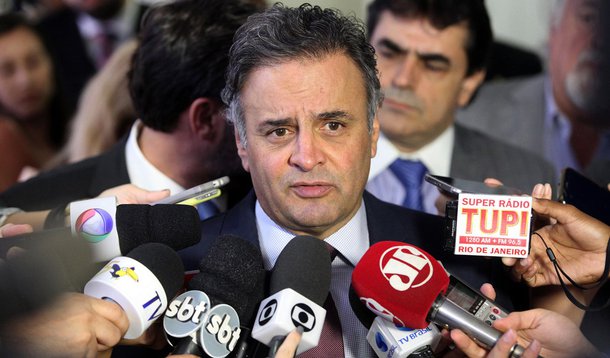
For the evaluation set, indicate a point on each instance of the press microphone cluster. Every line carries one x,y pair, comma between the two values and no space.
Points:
407,286
140,283
300,282
212,319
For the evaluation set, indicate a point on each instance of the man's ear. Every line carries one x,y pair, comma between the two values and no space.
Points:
374,137
469,87
241,151
206,119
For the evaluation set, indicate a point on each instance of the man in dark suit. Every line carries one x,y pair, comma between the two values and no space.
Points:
431,60
182,138
83,34
303,93
563,113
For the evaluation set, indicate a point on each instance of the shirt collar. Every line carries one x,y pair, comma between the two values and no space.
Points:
351,240
436,155
141,172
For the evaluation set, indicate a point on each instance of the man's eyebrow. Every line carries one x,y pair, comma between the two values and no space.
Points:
272,123
332,115
393,46
434,57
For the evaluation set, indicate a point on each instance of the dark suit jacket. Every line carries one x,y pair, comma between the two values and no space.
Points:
82,180
87,179
477,156
386,222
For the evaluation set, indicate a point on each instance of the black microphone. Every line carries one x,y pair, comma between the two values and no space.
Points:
224,297
140,283
177,226
300,281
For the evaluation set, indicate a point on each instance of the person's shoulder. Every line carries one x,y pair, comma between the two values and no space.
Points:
55,186
482,140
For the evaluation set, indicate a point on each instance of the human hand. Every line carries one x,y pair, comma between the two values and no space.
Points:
578,241
9,230
290,344
131,194
74,325
540,191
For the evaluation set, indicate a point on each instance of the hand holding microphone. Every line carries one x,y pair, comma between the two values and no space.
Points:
140,283
403,283
551,332
300,282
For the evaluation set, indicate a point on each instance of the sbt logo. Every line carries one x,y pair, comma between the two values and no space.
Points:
185,311
220,334
405,267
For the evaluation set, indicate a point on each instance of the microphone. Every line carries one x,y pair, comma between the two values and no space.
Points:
140,283
109,235
300,281
223,297
406,285
391,340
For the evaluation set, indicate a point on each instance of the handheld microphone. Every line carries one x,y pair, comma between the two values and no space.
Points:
140,283
405,284
391,340
226,291
109,235
300,281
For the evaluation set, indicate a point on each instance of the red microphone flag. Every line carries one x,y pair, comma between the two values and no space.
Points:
399,282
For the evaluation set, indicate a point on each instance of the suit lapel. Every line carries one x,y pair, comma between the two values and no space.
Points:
111,170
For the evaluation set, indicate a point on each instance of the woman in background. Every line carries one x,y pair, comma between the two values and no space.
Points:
32,116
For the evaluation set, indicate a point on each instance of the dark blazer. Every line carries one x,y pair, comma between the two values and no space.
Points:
386,222
87,179
477,156
81,180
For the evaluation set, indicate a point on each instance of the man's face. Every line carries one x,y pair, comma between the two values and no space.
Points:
423,75
575,58
26,80
308,144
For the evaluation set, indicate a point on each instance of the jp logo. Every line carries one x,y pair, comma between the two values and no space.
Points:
405,267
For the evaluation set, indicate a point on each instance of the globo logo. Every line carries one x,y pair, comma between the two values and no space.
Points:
94,225
405,267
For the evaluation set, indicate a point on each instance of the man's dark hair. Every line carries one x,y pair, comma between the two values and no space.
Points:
283,34
442,14
182,56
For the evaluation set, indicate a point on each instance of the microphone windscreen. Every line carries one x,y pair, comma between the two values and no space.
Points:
163,262
364,315
232,272
399,282
304,266
177,226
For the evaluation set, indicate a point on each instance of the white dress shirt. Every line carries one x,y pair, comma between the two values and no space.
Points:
436,156
352,241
